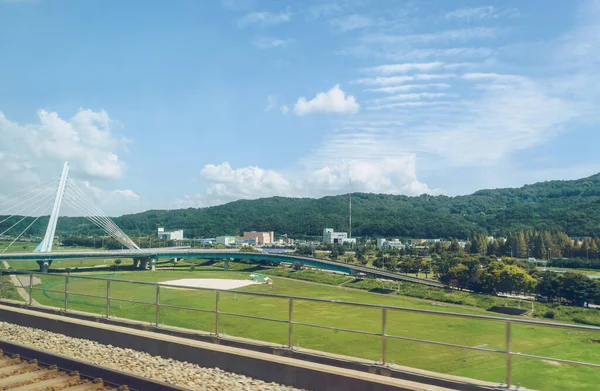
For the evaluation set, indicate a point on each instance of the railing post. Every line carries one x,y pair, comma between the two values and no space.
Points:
157,304
508,354
107,299
291,323
1,278
383,335
217,314
66,292
30,288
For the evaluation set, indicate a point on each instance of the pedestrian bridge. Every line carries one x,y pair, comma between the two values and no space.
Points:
144,257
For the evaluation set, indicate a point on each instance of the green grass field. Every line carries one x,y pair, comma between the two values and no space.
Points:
589,272
568,344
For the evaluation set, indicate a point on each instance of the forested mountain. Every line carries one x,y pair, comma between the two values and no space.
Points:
569,206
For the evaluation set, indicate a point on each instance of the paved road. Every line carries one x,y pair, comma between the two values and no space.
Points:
18,284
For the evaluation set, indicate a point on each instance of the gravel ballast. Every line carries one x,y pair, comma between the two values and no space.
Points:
169,371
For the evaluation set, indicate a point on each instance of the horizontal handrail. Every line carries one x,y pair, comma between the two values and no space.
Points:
185,308
383,335
349,303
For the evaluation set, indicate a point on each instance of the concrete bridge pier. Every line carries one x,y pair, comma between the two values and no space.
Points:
44,265
144,263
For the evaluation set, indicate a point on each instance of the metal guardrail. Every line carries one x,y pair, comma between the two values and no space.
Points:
384,336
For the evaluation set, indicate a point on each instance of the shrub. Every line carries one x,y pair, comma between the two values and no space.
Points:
548,315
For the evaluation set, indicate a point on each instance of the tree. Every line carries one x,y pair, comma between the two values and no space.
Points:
117,262
305,250
459,276
455,246
577,288
379,262
391,263
297,266
500,277
425,267
550,285
334,253
515,279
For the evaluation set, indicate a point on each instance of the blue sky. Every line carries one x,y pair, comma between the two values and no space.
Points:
195,103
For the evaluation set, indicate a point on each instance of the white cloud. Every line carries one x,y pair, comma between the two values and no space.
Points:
270,42
227,184
284,109
408,87
410,96
406,67
333,101
264,19
395,175
350,22
271,103
408,104
31,153
392,80
87,140
481,13
394,53
443,36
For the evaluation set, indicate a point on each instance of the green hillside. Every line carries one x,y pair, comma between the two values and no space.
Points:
569,206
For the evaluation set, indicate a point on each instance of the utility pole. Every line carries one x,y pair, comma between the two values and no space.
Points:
350,210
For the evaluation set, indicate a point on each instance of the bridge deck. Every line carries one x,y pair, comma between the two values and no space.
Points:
169,253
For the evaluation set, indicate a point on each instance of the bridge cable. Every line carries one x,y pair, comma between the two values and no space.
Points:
24,217
100,221
103,216
46,182
107,224
47,204
75,204
24,201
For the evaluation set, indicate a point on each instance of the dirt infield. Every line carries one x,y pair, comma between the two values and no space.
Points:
211,283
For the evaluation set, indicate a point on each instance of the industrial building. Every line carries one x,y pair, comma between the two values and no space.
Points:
225,240
260,238
394,243
330,236
173,235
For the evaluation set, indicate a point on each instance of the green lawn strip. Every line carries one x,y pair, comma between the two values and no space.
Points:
66,263
561,343
308,275
8,290
590,272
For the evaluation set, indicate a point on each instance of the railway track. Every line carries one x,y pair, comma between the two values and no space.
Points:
27,369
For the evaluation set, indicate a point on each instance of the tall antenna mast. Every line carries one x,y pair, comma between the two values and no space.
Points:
350,210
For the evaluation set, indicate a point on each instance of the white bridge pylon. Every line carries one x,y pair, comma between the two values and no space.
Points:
46,245
77,199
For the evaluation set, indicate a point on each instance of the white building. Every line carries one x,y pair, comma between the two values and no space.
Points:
394,243
173,235
330,236
226,240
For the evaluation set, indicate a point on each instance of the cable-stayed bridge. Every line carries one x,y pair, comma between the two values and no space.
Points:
32,203
51,196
